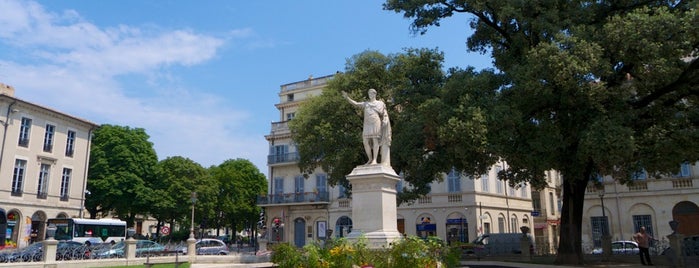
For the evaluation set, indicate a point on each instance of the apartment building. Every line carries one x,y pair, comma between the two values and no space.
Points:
44,157
620,210
301,210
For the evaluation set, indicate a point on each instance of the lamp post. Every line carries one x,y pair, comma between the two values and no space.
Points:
193,198
604,216
606,239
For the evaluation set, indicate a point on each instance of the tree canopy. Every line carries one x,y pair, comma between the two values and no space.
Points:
122,160
590,88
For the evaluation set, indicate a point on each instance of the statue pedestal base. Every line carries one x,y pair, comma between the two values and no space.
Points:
374,205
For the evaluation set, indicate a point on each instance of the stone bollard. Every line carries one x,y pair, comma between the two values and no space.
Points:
606,247
50,246
130,248
525,245
191,249
676,245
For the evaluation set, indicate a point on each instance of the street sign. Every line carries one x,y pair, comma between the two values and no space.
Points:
535,213
165,230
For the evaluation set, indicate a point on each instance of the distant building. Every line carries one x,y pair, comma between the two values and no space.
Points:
648,202
44,158
304,210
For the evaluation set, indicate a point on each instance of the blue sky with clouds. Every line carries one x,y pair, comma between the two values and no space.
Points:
201,77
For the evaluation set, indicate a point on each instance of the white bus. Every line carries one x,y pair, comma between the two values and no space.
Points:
89,230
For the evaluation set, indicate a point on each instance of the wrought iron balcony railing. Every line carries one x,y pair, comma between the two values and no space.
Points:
286,198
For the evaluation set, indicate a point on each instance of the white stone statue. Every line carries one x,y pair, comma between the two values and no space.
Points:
377,128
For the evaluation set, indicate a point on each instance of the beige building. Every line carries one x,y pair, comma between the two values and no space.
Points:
302,210
648,202
44,155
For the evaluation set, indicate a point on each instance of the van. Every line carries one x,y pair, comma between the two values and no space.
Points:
502,243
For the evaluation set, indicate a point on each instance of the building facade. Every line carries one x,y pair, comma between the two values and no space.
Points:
302,210
44,158
620,210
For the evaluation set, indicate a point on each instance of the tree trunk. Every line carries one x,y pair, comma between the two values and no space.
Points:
570,242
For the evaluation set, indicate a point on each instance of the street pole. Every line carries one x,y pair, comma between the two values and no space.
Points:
194,201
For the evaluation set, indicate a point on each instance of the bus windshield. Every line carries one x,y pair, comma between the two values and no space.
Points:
89,230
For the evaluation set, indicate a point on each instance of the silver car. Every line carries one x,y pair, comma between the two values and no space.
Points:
209,246
621,248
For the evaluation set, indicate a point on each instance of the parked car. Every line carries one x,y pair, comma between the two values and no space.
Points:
143,247
208,246
621,248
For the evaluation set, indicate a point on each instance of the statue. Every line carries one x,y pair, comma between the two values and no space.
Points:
377,128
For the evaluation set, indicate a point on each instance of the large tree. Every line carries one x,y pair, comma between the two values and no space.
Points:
177,177
327,129
121,161
239,183
592,87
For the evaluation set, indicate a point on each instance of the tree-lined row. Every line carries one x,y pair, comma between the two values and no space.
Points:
126,180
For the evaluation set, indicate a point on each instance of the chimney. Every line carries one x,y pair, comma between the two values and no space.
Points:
7,90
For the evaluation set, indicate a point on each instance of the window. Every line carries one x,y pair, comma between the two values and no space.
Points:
48,138
280,153
321,183
512,189
536,202
643,221
290,116
486,227
399,186
684,171
24,131
65,183
298,187
278,189
513,224
44,172
525,190
18,177
454,181
599,227
70,143
485,183
552,204
290,97
501,224
499,186
640,175
341,191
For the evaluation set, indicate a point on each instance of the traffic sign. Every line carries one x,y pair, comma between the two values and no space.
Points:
165,230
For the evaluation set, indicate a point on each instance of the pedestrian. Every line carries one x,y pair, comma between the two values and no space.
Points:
34,236
643,239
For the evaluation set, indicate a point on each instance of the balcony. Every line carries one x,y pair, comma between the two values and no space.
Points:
294,198
64,198
48,148
41,195
23,142
283,158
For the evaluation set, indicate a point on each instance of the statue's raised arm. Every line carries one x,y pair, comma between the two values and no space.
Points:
377,128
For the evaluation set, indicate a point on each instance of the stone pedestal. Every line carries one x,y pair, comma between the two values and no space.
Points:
374,205
675,255
525,246
130,248
50,246
191,248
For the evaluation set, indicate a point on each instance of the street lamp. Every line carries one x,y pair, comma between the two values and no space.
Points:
193,198
600,192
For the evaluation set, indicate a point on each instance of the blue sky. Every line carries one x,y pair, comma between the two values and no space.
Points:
201,77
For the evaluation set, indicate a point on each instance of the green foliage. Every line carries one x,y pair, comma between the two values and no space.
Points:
176,179
340,253
587,87
239,183
122,161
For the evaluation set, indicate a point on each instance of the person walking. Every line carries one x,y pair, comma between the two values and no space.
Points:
643,239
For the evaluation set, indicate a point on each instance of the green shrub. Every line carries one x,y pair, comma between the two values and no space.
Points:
340,253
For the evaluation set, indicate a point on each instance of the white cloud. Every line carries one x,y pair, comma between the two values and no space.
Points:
76,68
